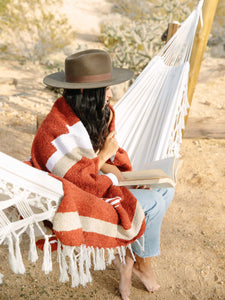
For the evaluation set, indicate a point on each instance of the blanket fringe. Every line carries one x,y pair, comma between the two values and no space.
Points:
77,261
63,267
47,261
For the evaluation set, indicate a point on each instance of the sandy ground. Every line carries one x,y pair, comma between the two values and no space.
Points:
192,260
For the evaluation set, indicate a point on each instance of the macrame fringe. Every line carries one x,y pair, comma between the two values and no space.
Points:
12,259
15,257
32,256
21,268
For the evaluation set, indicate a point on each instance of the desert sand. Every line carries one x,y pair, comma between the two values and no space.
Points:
192,260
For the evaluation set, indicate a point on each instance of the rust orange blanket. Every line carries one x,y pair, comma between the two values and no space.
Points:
95,214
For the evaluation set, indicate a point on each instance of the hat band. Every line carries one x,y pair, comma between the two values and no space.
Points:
89,78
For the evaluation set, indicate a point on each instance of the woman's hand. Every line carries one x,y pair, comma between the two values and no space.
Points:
109,149
108,168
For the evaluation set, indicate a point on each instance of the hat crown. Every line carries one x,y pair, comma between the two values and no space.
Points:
88,66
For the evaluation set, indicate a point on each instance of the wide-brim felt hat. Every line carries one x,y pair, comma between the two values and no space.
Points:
88,69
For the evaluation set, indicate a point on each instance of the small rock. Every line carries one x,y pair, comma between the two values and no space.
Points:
182,292
196,143
206,103
219,106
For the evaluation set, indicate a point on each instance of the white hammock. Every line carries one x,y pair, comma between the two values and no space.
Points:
149,121
150,115
33,195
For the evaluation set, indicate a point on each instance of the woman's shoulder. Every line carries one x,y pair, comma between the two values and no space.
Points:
63,112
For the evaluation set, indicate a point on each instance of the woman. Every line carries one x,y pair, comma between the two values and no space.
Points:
86,97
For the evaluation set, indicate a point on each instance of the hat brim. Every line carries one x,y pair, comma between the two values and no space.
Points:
57,80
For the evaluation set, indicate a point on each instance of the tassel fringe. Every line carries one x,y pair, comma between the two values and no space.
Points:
32,256
73,261
47,262
82,259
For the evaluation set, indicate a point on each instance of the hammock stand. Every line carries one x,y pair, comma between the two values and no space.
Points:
36,195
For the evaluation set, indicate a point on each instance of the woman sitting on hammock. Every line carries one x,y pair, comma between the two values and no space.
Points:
86,83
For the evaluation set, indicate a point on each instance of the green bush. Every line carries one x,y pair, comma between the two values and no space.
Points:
32,29
133,42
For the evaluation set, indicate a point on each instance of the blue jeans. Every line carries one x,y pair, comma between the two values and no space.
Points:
154,204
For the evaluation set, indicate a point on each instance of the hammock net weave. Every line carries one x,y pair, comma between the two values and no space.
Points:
149,122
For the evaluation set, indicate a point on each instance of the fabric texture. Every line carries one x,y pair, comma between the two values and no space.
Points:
93,212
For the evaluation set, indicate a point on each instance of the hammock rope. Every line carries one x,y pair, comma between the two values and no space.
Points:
149,122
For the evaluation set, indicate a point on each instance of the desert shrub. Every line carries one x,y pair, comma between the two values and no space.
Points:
132,44
32,29
135,40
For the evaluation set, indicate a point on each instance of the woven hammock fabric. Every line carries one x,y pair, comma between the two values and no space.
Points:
149,122
150,115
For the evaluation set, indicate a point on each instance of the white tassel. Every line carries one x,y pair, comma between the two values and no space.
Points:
83,260
96,259
32,256
21,268
88,265
121,254
99,259
81,266
93,256
103,265
111,256
47,261
12,259
74,271
63,267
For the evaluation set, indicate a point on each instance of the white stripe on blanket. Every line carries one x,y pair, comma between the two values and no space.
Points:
77,137
71,221
63,165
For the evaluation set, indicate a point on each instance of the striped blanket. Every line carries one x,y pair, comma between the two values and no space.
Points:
95,214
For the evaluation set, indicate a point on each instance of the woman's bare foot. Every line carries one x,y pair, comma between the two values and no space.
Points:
125,271
143,270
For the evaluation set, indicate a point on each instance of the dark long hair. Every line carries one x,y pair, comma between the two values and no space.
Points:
89,106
